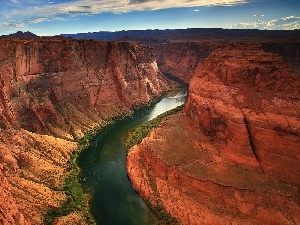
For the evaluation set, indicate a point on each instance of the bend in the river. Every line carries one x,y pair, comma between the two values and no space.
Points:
114,201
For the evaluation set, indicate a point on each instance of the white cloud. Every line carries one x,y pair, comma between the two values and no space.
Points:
285,23
13,25
290,17
115,6
20,25
198,10
38,20
15,1
258,15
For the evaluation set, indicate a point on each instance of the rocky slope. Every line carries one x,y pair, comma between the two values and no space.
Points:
52,90
232,156
33,167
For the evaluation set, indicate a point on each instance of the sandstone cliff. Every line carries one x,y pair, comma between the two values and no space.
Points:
182,58
232,156
64,86
52,90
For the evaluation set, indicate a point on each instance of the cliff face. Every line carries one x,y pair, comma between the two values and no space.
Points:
248,104
289,51
47,85
64,86
232,156
181,59
53,90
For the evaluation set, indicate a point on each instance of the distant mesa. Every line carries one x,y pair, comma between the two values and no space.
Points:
21,34
164,36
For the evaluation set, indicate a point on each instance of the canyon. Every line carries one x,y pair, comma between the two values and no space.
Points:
230,157
53,91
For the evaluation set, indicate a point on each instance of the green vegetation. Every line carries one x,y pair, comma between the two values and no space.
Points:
162,217
137,134
135,137
77,200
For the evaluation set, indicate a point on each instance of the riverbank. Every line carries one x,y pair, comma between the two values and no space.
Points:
78,200
135,137
103,164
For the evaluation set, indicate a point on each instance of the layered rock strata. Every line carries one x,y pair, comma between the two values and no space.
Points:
52,91
63,86
232,156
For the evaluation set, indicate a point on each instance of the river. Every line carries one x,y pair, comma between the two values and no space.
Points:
103,165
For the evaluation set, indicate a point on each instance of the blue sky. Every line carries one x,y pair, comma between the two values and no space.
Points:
51,17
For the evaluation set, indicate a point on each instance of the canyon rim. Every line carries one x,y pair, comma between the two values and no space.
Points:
230,157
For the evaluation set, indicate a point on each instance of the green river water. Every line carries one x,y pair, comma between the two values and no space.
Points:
114,201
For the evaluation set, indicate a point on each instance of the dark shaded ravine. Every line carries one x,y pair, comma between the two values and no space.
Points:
114,201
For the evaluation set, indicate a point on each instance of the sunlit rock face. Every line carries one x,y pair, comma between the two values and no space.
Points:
247,101
232,155
53,90
46,82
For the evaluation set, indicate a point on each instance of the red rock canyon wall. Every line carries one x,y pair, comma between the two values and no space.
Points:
46,82
52,90
182,58
232,155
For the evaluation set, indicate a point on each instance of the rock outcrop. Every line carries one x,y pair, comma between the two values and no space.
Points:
20,34
248,104
232,155
52,91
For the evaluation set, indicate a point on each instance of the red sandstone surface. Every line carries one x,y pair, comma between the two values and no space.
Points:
232,155
181,59
52,90
59,85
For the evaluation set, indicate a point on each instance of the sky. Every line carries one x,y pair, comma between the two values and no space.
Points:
53,17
